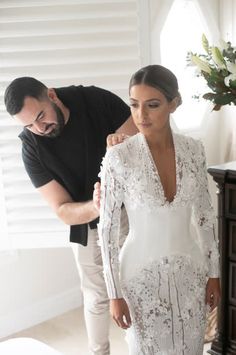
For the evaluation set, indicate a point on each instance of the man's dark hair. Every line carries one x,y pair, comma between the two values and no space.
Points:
19,89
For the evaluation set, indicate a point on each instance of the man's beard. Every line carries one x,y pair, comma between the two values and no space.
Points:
58,127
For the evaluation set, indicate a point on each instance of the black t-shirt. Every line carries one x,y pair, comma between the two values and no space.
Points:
73,158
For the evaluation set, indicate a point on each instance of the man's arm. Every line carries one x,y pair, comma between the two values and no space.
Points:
128,127
61,202
67,210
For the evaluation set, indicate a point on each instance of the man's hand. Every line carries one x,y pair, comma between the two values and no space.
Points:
97,195
120,313
213,292
115,138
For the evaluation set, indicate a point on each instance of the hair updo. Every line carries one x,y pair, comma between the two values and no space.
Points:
159,78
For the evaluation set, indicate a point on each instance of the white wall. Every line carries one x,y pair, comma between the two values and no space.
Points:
36,285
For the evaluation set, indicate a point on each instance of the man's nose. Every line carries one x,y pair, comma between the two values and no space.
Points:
40,127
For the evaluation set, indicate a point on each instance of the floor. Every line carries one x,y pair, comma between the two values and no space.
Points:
66,333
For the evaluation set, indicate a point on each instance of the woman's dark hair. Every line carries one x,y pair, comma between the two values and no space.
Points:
159,78
19,89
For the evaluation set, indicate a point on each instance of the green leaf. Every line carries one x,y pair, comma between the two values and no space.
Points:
209,96
223,99
233,84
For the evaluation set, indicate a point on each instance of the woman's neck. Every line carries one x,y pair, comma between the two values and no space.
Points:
160,141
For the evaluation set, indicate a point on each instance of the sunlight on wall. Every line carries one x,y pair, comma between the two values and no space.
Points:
182,33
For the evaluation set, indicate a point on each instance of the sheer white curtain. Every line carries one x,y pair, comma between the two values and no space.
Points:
176,28
228,113
210,12
159,10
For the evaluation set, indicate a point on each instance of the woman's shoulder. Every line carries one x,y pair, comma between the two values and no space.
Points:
188,143
123,156
119,159
126,147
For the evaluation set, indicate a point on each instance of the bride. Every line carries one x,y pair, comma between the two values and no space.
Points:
165,277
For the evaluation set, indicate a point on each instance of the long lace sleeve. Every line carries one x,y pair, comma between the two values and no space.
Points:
205,218
109,224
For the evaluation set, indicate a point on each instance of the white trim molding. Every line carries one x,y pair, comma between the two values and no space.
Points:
39,312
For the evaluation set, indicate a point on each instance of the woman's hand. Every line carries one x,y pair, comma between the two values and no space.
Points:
213,292
120,312
115,138
97,195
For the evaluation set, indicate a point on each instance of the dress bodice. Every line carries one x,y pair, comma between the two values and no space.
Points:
155,235
158,228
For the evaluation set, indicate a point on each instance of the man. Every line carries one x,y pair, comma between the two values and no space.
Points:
63,142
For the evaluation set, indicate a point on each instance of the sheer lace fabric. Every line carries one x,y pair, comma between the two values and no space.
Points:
161,269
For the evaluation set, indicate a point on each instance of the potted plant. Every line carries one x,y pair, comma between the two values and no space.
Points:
217,66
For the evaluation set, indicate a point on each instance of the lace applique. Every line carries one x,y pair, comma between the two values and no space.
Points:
167,305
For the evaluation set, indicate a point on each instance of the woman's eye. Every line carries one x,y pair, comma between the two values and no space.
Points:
132,104
153,105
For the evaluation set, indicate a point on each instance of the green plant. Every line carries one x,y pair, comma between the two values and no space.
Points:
217,66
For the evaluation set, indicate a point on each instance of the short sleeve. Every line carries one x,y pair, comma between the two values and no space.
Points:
37,173
119,110
107,110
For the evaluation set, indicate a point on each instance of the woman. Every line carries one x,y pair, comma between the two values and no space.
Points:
166,273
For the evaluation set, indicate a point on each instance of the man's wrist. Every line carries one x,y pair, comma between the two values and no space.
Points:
94,211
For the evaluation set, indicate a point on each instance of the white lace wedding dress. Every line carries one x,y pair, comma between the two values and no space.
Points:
162,268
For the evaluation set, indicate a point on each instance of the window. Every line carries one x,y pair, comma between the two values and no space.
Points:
182,33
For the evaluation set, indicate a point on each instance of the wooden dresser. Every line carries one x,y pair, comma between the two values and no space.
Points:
225,177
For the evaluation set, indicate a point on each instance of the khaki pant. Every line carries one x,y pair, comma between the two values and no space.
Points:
96,303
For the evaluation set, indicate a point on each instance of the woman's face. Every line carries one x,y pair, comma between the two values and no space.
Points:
150,109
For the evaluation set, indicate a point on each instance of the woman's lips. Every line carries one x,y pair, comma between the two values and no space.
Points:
144,124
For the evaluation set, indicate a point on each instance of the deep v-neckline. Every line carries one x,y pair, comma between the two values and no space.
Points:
155,169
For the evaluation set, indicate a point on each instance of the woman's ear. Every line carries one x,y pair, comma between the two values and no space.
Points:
174,104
